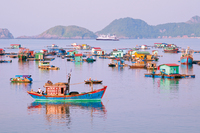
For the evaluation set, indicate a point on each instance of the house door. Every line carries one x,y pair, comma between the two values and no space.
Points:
174,70
62,90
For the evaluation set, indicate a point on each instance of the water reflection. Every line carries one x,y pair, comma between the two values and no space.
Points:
172,85
187,69
62,112
22,86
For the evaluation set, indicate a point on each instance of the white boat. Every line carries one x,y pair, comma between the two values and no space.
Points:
107,38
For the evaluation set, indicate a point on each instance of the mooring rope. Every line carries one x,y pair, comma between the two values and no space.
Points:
77,83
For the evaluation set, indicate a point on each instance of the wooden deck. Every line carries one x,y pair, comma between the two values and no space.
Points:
45,59
169,76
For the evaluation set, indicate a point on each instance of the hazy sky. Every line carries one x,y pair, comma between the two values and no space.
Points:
32,17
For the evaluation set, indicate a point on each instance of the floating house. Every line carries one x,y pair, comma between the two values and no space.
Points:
99,52
23,53
144,55
169,69
2,51
78,57
15,46
72,52
118,54
85,46
95,48
39,56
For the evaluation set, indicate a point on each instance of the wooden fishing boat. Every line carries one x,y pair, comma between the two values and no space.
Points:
47,66
170,49
5,61
90,59
138,64
93,81
187,56
22,79
60,91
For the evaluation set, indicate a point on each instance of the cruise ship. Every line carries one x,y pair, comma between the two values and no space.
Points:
107,38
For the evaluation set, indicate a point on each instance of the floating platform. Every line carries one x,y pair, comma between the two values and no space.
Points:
45,59
173,76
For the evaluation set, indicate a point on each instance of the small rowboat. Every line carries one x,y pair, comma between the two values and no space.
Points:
93,81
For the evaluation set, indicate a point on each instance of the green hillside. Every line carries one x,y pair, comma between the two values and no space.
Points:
67,32
136,28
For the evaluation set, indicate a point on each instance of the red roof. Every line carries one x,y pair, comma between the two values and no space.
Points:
78,55
1,49
70,50
170,64
96,48
44,50
14,44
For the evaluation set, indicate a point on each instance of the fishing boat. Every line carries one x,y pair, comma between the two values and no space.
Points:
187,57
22,79
5,61
60,91
107,38
117,63
171,48
138,64
47,66
89,81
90,59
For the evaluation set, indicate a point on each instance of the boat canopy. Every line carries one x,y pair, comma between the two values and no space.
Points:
25,76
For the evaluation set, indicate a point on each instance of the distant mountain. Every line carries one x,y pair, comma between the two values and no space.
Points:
136,28
194,20
64,32
5,34
128,28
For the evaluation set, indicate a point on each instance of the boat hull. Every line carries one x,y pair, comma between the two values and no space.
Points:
186,60
94,95
93,81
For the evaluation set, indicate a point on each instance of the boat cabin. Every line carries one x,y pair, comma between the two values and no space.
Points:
57,88
169,69
42,63
15,46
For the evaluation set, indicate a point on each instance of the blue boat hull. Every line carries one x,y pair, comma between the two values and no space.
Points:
186,60
94,95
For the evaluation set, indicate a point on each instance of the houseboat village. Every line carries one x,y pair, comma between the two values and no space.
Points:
138,57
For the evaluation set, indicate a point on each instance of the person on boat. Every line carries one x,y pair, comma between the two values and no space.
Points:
39,91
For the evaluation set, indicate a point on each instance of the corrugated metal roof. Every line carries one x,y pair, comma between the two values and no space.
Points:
142,52
170,64
78,55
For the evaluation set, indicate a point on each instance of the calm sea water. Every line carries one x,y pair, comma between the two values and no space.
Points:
132,102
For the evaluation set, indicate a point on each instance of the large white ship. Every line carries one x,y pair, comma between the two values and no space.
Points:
107,38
